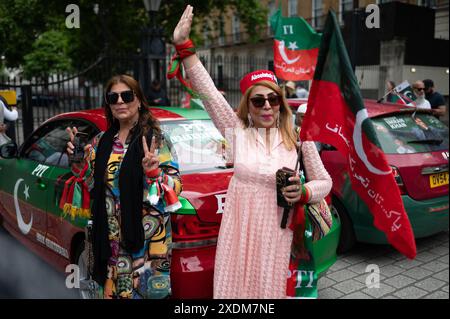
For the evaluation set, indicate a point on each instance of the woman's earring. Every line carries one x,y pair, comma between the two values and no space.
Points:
139,107
278,121
250,121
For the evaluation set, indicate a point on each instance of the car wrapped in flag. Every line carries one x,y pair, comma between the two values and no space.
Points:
32,178
415,144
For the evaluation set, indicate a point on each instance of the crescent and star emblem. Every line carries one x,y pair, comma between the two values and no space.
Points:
281,49
357,141
24,228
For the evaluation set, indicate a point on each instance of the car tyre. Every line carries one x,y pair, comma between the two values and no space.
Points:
347,237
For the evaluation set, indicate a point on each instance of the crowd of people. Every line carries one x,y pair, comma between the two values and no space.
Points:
426,96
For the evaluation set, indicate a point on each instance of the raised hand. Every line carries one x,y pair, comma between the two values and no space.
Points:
151,159
183,28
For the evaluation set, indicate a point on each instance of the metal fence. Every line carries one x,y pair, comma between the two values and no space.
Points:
38,100
226,73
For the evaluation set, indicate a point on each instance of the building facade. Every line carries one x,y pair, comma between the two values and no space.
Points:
411,43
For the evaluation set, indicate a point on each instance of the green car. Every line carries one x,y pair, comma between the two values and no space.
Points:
415,144
32,179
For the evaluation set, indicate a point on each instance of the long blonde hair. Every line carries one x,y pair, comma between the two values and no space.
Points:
286,127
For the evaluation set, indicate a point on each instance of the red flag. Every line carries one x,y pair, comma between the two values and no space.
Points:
295,48
336,115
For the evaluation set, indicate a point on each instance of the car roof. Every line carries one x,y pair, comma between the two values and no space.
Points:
162,113
374,109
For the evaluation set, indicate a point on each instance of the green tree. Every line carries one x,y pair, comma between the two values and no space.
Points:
252,15
115,29
48,56
21,22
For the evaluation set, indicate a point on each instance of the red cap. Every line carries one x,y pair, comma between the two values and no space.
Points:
255,77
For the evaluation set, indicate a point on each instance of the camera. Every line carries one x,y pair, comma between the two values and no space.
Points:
79,142
282,180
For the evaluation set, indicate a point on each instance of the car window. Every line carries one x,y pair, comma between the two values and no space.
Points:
48,144
405,133
198,144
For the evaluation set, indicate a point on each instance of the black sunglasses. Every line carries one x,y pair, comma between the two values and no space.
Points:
113,97
259,101
419,89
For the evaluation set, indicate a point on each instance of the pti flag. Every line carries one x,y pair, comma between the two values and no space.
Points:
295,48
405,94
336,115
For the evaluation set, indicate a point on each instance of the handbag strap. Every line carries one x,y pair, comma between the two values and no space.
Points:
298,165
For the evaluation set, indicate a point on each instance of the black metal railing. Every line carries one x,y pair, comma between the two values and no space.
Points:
39,100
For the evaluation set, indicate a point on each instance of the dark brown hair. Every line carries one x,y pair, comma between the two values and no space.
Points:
146,119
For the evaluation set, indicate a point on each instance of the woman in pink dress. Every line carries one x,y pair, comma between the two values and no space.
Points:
253,251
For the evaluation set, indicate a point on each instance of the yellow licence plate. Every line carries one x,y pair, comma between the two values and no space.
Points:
440,179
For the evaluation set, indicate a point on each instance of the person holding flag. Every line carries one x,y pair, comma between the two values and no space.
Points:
253,251
400,94
336,115
405,94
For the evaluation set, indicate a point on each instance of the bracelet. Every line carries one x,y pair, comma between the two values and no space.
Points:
153,173
185,49
174,70
306,194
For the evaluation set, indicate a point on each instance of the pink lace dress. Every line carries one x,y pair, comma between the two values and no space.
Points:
252,255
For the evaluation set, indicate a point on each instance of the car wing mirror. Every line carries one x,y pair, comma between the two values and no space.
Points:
8,150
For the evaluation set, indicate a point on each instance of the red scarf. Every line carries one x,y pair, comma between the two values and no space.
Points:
75,200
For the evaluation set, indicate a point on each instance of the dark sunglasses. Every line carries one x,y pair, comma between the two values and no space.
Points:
419,89
113,97
259,101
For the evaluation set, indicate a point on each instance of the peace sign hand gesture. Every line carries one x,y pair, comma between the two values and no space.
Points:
151,160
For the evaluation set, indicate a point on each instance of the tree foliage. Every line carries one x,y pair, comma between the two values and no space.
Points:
49,55
28,28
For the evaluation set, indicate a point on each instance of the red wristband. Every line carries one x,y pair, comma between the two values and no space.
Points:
153,173
185,49
308,194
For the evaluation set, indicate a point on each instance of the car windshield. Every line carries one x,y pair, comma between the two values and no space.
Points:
198,145
407,133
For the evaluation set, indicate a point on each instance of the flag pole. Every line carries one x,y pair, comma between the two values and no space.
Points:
382,98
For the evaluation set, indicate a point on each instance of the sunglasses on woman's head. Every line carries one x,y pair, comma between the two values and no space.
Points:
259,101
113,97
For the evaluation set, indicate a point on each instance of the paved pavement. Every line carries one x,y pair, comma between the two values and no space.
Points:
427,276
400,278
24,275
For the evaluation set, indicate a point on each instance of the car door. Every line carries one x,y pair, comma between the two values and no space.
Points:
62,228
26,180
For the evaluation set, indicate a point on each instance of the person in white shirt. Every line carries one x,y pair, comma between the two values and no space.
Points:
5,113
419,91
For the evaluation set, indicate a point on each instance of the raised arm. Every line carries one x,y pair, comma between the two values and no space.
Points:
9,115
216,105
